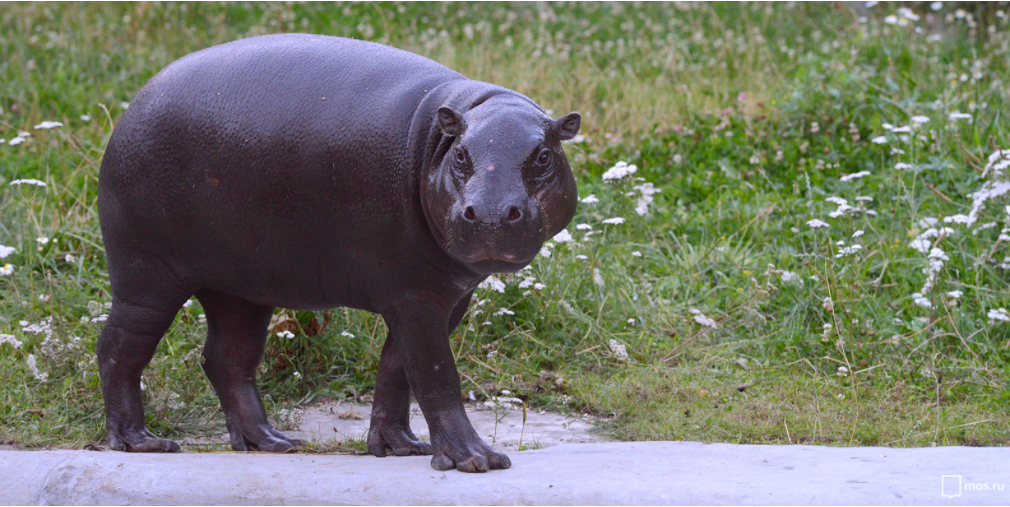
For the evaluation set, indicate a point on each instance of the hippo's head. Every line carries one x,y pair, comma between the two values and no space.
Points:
502,185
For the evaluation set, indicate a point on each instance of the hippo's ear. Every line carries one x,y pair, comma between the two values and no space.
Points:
568,125
450,121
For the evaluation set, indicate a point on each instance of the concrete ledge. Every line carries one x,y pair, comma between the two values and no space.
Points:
609,473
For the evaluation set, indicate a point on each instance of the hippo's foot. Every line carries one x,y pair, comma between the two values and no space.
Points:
261,437
140,441
395,438
467,456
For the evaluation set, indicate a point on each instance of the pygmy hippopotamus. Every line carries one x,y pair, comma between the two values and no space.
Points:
312,172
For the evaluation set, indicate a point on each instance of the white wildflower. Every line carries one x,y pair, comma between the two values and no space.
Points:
42,241
347,334
903,166
842,371
619,172
647,190
614,221
581,257
849,177
597,277
492,282
902,129
847,251
920,119
619,350
998,314
922,301
891,19
37,183
864,198
101,318
85,117
584,227
700,318
285,334
16,141
857,233
563,237
6,251
48,125
69,258
11,339
33,368
590,199
815,223
957,115
636,253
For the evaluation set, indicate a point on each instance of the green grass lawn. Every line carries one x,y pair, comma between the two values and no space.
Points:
782,271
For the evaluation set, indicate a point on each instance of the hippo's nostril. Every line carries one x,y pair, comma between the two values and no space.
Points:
514,214
469,214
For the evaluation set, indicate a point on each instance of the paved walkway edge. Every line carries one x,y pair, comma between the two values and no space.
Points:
626,473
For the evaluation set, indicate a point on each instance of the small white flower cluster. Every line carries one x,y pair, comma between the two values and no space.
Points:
34,369
850,177
999,314
957,115
20,138
647,190
700,318
619,350
845,251
285,334
993,187
492,282
46,125
37,183
904,17
621,171
11,339
844,209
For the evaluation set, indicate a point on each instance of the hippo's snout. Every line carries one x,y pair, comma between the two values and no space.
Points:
504,233
506,215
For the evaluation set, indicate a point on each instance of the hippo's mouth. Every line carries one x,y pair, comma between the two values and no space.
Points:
497,262
487,266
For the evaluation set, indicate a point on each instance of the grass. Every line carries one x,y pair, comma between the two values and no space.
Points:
745,116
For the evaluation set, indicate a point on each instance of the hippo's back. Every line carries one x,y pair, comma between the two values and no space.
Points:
233,155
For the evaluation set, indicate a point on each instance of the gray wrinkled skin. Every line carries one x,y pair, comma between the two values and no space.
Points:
311,172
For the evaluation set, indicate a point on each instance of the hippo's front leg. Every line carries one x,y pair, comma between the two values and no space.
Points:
390,426
421,330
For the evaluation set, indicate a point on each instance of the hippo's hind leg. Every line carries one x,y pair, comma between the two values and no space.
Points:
127,344
236,337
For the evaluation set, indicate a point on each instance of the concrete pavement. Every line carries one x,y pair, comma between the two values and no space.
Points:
603,473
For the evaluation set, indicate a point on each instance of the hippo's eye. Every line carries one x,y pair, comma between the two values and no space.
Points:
458,156
544,158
